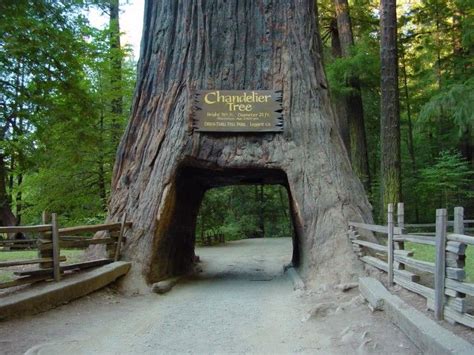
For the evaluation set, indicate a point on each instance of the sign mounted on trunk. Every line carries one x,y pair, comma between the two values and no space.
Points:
238,111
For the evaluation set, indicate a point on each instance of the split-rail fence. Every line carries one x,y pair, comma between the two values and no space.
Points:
446,296
51,239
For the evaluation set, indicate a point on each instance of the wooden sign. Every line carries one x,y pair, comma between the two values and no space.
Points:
238,111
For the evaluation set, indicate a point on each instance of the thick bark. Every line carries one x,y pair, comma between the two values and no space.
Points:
353,102
163,167
389,114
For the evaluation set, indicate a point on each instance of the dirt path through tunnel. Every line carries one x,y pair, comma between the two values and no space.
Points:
240,303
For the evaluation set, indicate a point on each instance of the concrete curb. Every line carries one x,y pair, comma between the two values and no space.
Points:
54,294
295,278
426,334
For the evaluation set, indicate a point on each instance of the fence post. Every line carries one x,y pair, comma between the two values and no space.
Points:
56,250
401,225
390,244
440,262
401,215
354,236
457,259
45,238
459,220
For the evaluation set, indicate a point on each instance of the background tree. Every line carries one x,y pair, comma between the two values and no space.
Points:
39,56
57,122
116,59
354,111
390,182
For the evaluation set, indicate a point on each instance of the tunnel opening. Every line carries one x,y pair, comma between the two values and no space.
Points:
238,212
184,226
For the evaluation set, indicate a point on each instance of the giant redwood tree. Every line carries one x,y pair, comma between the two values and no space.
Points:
164,165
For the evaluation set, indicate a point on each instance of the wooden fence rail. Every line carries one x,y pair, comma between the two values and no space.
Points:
447,296
49,243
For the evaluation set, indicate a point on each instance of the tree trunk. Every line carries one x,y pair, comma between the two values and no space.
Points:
410,141
261,211
101,164
353,102
389,113
19,180
339,101
116,70
163,167
7,218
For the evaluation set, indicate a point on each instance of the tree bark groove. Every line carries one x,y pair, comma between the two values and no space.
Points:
163,168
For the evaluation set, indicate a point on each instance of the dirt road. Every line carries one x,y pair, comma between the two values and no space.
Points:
240,303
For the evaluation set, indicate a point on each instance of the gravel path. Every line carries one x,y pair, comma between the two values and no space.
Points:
240,303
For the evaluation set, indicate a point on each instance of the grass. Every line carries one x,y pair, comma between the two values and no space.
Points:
72,255
427,253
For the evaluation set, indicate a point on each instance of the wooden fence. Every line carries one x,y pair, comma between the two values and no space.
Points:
212,237
447,296
49,243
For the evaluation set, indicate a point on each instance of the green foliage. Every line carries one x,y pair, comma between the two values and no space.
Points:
436,93
57,88
363,63
454,101
236,212
446,183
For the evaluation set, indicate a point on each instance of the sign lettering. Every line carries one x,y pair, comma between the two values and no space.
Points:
238,111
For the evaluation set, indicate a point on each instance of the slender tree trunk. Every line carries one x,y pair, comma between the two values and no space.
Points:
20,167
164,167
19,181
7,217
457,41
339,100
11,178
389,113
283,203
354,108
438,46
259,213
116,70
101,162
411,145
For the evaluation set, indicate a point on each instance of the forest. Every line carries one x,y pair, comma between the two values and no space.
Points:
66,89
